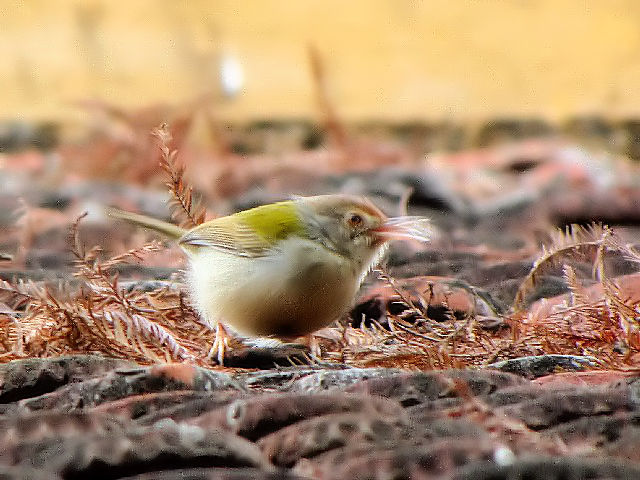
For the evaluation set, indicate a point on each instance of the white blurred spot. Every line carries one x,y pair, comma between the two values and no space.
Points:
504,456
231,75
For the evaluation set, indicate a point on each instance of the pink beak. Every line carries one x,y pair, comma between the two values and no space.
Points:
405,228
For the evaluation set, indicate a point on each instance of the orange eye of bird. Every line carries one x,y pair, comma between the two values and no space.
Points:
355,220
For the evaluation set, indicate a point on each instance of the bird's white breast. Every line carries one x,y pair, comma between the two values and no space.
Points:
296,289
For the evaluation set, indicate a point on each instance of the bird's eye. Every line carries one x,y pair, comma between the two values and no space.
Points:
355,220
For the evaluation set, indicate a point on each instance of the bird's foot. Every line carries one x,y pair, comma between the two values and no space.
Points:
314,347
220,344
310,343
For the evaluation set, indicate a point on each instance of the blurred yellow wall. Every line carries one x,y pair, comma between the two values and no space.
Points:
386,59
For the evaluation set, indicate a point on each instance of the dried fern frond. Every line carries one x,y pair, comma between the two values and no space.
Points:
419,312
571,279
575,242
136,329
118,321
133,254
14,296
628,251
184,210
619,309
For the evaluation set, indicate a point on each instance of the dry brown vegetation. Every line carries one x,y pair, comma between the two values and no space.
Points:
159,326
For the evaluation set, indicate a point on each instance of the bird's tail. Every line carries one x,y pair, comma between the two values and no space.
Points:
169,229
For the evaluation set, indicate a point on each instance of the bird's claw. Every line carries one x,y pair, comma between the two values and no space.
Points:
220,344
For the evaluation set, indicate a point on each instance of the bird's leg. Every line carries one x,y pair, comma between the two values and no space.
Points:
220,344
314,346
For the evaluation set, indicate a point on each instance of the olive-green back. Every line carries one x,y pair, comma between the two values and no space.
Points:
249,233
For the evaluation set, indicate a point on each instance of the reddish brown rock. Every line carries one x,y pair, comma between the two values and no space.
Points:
417,388
255,417
311,437
178,404
117,453
433,461
217,474
119,384
32,377
435,296
550,468
553,408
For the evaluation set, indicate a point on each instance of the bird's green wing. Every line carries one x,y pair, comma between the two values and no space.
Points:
250,233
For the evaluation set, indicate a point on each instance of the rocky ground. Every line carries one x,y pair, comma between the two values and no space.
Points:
461,358
96,417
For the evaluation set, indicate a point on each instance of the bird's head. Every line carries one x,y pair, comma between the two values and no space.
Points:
354,227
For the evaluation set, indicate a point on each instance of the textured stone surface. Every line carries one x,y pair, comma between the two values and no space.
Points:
260,415
37,376
148,407
217,474
540,365
417,388
552,468
112,454
553,408
122,383
311,437
98,418
409,462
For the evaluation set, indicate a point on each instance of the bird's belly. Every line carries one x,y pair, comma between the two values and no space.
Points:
309,300
285,294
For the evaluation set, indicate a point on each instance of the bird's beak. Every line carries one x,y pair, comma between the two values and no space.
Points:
404,228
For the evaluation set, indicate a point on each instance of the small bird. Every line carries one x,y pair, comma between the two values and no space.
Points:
284,269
